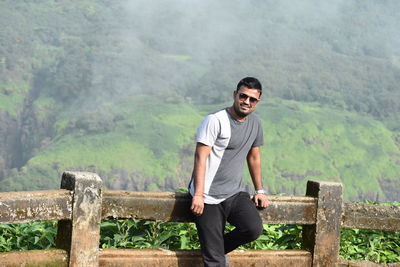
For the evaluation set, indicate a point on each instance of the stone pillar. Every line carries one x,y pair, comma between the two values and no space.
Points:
80,235
323,237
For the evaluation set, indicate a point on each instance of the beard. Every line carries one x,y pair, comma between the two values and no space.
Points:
240,112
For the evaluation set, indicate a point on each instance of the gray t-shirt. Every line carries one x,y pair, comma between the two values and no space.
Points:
231,141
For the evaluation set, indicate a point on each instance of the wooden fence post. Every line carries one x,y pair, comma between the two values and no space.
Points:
80,235
323,238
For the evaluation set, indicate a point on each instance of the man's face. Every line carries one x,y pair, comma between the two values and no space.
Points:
245,101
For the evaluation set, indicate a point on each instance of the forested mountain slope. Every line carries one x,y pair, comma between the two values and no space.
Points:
134,148
118,87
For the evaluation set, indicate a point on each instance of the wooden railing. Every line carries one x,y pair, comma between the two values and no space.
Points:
81,204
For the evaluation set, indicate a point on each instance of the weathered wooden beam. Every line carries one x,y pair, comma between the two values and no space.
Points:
363,263
35,258
27,206
367,216
290,210
192,258
175,207
80,236
145,206
322,238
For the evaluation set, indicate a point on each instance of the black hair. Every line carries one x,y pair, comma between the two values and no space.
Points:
251,83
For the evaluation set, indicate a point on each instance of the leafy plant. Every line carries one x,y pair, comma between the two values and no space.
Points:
148,234
371,245
24,236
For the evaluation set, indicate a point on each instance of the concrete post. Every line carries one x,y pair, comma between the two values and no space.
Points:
80,235
323,238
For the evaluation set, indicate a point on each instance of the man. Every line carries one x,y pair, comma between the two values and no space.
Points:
225,140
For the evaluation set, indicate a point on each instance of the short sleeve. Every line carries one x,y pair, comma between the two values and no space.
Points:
259,141
208,131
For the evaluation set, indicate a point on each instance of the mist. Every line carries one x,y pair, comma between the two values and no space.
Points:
197,47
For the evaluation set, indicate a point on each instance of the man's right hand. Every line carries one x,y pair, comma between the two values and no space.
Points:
197,205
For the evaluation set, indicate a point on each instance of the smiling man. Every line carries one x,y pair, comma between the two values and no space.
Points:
227,139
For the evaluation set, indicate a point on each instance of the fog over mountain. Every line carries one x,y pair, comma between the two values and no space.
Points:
94,69
308,50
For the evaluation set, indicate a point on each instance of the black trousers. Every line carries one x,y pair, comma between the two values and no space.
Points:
240,211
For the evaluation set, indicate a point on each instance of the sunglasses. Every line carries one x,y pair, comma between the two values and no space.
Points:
252,100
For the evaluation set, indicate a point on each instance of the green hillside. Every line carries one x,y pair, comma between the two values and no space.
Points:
133,147
141,149
313,142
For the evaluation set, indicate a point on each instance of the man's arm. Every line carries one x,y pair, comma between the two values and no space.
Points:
254,164
200,156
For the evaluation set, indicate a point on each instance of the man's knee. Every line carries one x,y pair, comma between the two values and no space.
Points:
254,232
254,227
250,232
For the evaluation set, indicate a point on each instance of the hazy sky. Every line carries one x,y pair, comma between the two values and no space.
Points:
173,42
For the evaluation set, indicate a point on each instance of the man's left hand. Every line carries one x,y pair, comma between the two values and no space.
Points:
261,200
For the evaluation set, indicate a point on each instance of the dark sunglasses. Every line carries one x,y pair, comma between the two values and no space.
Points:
252,100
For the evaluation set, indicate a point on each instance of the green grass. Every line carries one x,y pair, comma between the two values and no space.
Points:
12,96
106,151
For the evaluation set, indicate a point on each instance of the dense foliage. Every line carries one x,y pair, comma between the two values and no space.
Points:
376,246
